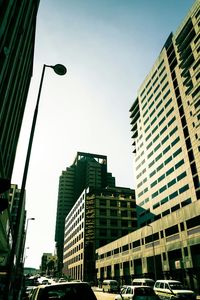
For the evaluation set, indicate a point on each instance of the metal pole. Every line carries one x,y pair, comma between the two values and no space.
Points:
26,229
154,257
22,191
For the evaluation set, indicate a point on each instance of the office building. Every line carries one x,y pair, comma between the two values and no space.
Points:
17,40
48,264
87,170
98,217
165,120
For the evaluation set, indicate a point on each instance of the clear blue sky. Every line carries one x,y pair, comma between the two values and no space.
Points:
108,47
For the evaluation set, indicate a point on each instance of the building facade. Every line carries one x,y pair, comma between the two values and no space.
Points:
48,264
87,170
17,40
165,120
98,217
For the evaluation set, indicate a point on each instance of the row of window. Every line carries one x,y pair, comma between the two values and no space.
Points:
77,258
148,83
116,212
147,111
116,203
191,223
169,171
174,142
73,250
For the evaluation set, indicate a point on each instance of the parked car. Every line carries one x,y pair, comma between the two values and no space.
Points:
131,292
173,289
64,291
110,286
143,282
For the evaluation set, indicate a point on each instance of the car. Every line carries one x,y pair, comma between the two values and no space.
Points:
62,280
143,281
173,289
63,291
45,281
110,286
137,292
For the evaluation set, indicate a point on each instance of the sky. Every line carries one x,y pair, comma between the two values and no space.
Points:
108,48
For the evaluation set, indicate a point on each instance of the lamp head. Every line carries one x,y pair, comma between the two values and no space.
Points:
59,69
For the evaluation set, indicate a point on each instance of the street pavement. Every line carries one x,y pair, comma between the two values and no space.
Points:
103,296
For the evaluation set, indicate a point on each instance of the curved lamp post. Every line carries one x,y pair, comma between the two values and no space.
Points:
60,70
26,230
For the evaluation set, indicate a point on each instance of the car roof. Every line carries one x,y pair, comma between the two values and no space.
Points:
168,280
136,286
70,283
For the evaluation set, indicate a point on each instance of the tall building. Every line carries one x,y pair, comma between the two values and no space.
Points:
98,217
87,170
17,40
165,119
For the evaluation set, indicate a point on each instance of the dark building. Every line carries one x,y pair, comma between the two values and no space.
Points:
98,217
17,39
88,170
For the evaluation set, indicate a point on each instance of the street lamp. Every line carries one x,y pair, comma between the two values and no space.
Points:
60,70
26,230
154,257
25,256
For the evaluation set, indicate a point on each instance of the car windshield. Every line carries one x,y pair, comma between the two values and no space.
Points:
176,286
68,292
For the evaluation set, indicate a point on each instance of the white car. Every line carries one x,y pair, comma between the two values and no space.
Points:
173,289
130,292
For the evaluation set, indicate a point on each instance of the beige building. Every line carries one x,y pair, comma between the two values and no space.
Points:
165,119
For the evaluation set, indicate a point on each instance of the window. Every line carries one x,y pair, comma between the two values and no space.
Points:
153,183
186,202
171,230
163,130
163,188
136,244
113,213
125,247
102,202
176,141
172,182
171,121
175,207
184,188
181,176
113,223
164,200
102,212
124,213
166,212
180,163
102,231
168,160
173,131
177,152
168,102
154,194
171,170
169,112
173,195
157,147
161,177
166,149
193,222
165,139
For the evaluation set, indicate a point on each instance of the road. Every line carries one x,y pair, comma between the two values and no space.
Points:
103,296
